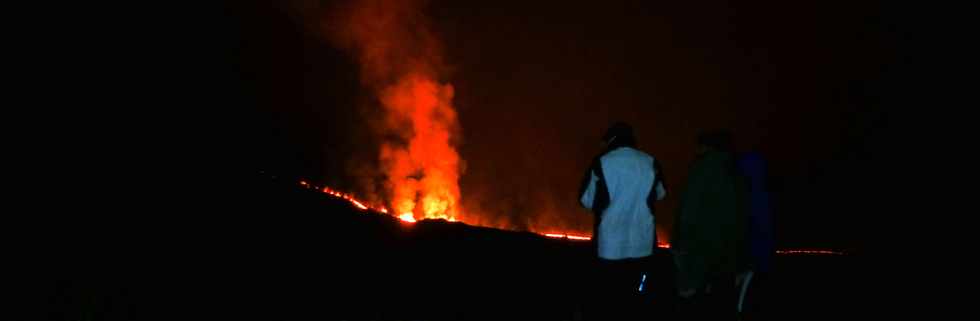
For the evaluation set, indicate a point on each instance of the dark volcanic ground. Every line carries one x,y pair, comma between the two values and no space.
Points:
295,254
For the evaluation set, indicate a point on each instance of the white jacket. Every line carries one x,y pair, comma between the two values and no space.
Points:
627,226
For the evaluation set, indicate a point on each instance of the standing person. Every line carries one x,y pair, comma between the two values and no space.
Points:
708,229
620,188
760,239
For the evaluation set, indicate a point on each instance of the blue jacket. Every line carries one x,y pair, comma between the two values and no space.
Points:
760,237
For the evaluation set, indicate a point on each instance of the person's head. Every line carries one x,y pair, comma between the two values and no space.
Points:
716,140
620,134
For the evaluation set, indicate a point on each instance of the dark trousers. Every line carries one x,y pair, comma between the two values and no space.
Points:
617,292
716,304
756,298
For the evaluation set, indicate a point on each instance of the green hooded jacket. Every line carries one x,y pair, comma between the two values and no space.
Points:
710,222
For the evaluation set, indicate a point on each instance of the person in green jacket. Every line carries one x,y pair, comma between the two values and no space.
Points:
708,237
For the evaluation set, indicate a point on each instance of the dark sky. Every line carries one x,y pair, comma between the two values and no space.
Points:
538,81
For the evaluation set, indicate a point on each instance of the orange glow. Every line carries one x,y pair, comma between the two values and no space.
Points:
358,204
434,211
810,252
588,238
402,64
346,197
568,236
423,175
407,217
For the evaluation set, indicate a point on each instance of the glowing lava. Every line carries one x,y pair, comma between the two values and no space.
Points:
347,197
409,217
568,236
810,252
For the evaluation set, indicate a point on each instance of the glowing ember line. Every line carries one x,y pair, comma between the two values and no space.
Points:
568,236
410,218
358,204
811,252
346,197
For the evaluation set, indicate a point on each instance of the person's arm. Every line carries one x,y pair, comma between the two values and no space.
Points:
661,190
688,210
594,193
657,190
587,192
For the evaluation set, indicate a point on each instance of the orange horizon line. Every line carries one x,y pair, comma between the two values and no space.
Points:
358,204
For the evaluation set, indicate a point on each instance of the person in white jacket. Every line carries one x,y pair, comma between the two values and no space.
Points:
620,188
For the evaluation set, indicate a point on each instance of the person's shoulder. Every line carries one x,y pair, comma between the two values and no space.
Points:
628,155
622,152
642,154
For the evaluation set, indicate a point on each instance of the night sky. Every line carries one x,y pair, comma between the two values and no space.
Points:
537,83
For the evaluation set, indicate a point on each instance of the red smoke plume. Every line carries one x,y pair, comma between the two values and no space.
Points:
401,62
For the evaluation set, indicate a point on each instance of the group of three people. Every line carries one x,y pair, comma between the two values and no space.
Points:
722,229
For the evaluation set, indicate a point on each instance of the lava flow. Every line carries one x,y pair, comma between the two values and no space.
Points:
410,218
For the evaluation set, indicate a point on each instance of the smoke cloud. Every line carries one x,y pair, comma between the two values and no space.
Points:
401,62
